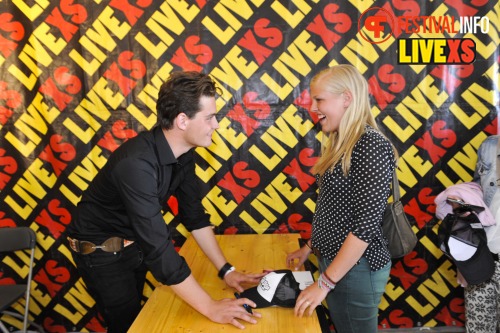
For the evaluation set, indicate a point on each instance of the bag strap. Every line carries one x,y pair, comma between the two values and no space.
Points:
395,186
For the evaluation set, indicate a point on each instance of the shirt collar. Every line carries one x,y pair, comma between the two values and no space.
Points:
164,152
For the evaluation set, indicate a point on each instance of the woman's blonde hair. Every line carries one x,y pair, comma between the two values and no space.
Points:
338,146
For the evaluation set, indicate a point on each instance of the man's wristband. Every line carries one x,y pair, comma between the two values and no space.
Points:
224,270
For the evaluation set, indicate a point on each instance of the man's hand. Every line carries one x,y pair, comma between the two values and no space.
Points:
235,279
225,311
230,311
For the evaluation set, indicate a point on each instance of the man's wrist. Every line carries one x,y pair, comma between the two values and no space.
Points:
226,269
232,269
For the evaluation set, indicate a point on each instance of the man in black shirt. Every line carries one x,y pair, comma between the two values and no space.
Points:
118,231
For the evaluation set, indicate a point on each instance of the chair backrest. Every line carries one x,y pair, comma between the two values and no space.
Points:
19,238
15,239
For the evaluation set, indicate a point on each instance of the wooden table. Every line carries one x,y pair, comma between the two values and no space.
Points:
165,312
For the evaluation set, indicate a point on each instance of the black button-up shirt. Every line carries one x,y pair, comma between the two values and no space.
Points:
126,198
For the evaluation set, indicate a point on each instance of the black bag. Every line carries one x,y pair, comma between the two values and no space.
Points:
396,227
466,233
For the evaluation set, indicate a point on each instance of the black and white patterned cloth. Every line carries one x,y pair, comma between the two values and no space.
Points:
356,203
481,305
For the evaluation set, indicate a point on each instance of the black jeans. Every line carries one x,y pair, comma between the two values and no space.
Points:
116,282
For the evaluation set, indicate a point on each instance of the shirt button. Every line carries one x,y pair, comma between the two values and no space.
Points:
492,184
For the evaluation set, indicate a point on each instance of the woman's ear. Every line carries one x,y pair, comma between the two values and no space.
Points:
347,98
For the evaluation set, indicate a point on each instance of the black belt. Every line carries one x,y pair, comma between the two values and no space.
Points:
113,244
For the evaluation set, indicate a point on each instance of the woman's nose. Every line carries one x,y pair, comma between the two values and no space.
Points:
313,107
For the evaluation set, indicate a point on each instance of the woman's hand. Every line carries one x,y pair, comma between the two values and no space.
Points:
310,298
296,259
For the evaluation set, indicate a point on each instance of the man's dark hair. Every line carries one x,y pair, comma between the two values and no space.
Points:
181,94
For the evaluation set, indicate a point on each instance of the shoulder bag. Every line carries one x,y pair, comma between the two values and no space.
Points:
396,227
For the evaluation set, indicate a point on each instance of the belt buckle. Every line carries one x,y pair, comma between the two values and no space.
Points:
113,244
83,247
86,247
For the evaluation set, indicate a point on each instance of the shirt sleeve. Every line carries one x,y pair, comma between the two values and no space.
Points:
191,211
372,164
136,182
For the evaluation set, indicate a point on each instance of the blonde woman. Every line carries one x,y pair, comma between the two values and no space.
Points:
354,175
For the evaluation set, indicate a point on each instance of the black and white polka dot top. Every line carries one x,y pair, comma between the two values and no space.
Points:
357,202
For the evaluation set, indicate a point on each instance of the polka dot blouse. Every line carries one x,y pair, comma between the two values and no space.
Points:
357,202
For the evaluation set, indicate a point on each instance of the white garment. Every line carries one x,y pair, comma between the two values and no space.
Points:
493,232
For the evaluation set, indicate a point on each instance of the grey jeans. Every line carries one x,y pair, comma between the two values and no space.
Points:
353,304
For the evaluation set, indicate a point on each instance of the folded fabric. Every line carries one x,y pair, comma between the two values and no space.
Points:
471,193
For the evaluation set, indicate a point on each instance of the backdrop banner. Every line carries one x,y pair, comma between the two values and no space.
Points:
79,78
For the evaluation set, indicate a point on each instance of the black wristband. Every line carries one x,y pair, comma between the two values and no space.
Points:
227,266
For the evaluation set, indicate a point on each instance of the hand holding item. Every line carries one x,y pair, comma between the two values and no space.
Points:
246,306
232,311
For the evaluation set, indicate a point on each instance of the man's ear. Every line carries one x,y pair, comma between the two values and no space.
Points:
181,121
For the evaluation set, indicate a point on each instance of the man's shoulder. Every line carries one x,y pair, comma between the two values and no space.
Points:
141,145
